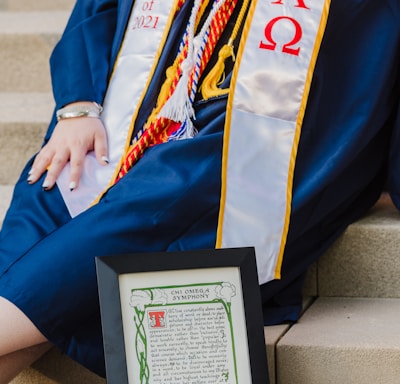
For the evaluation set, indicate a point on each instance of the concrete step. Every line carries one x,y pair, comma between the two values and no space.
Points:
55,368
364,261
35,5
342,340
5,197
24,118
26,41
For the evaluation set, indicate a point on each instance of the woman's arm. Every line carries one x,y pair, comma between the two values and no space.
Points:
80,66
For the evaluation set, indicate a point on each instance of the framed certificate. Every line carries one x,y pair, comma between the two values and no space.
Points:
182,317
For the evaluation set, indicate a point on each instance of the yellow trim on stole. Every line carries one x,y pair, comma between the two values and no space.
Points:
299,122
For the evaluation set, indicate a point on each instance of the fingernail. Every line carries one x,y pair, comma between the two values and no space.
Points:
30,171
72,185
45,185
29,179
105,159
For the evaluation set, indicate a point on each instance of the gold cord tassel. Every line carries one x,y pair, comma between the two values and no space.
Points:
164,92
209,87
216,76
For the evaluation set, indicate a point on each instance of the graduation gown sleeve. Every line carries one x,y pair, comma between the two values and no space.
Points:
80,62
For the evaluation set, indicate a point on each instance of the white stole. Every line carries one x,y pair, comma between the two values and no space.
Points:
266,106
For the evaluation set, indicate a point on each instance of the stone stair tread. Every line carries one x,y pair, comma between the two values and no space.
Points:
20,107
55,368
363,262
363,323
342,340
24,118
32,22
5,197
26,5
272,335
26,42
337,340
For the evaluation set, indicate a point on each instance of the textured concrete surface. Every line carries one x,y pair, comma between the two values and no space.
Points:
26,42
272,336
5,197
55,368
33,22
342,340
23,141
35,5
26,108
24,118
364,262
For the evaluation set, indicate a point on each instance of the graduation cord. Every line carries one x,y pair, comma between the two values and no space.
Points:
192,68
168,120
214,78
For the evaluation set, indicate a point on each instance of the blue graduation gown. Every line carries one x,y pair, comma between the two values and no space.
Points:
170,199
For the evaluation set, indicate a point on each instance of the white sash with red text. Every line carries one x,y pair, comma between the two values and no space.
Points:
266,106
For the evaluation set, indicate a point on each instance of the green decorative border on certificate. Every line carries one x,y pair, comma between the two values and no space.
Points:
182,317
155,304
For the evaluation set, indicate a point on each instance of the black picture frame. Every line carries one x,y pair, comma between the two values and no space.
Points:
119,273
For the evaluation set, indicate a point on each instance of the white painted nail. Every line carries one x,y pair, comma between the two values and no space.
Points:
45,184
72,185
105,159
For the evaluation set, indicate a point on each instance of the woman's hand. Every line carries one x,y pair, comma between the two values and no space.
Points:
70,142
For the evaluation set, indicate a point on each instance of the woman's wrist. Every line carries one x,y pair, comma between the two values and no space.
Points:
79,109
